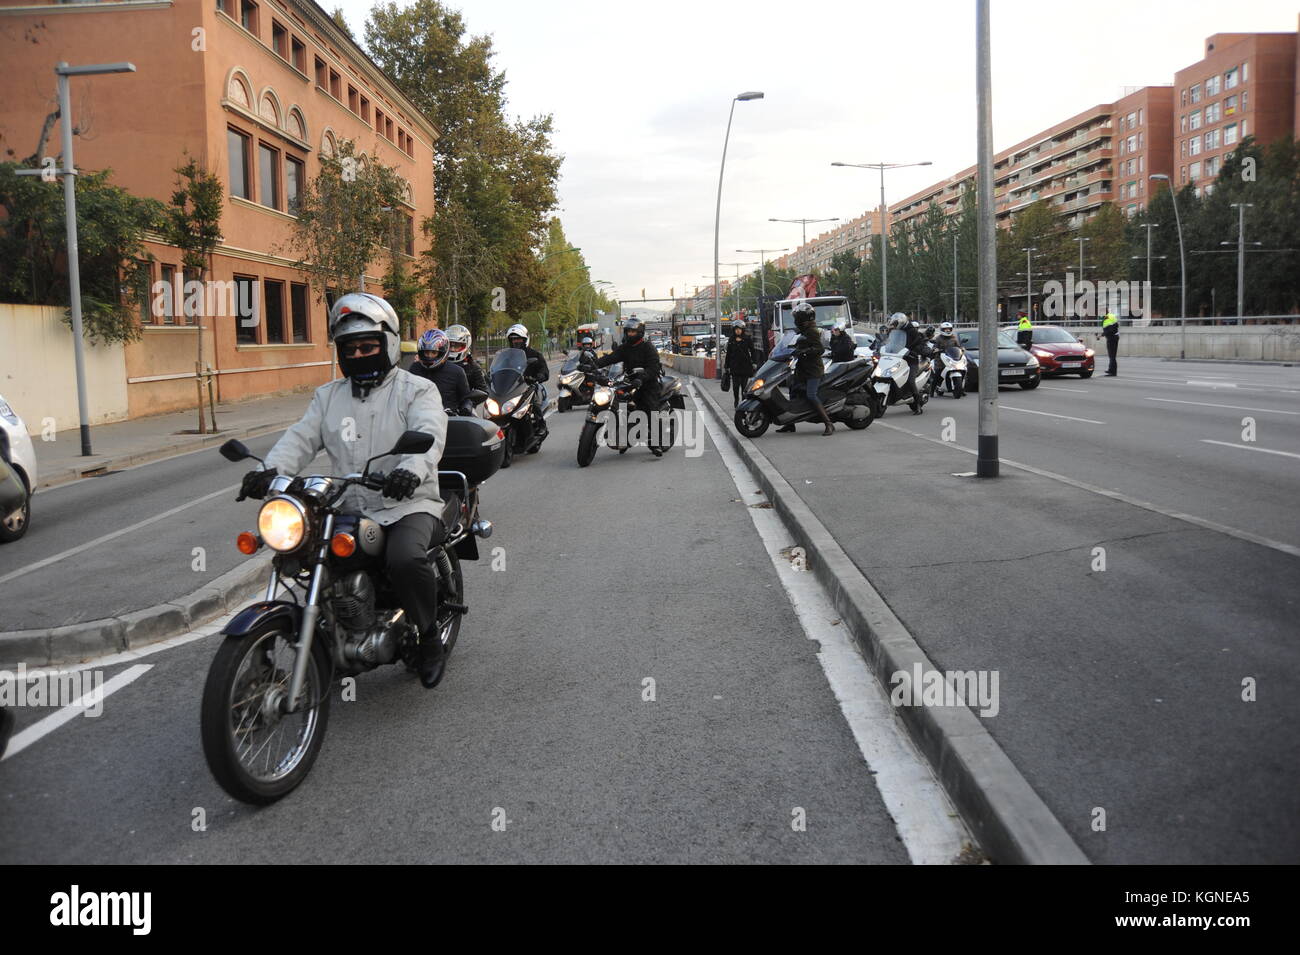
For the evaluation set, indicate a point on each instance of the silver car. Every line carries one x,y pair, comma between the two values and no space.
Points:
19,468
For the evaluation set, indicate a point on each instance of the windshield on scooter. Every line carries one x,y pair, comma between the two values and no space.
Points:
507,369
571,363
895,343
953,353
784,349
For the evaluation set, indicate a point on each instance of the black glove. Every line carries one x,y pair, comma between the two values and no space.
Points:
256,484
401,484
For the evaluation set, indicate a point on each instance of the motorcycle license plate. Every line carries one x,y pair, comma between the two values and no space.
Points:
1071,364
1011,372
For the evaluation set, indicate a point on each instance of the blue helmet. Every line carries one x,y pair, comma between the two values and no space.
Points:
433,348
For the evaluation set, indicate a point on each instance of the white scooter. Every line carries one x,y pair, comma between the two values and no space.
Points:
891,373
953,374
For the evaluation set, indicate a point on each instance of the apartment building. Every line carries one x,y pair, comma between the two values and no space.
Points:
853,236
1143,120
1245,85
258,91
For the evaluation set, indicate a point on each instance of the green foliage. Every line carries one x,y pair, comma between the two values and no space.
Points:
111,224
403,293
192,222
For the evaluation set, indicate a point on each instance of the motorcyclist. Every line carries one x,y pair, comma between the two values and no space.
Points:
586,350
842,344
808,368
432,352
535,371
461,340
363,415
945,338
917,347
640,360
739,359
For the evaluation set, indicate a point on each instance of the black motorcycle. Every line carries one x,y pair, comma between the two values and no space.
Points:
266,699
626,419
843,393
510,404
577,380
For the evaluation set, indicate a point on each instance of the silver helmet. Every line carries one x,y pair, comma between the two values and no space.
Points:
461,340
360,314
517,329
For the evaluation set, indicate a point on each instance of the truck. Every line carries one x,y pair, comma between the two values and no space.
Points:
687,329
829,310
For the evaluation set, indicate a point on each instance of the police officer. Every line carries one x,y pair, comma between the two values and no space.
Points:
1024,331
1110,329
739,360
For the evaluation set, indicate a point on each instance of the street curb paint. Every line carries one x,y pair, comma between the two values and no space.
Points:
78,642
1010,820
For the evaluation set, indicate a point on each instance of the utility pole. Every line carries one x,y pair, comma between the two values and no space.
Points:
986,461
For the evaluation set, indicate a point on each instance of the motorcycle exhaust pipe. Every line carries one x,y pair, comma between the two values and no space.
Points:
481,528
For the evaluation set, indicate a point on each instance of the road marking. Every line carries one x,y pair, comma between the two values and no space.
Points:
1250,447
1048,414
1117,496
77,707
1077,391
1211,404
927,823
113,536
1212,384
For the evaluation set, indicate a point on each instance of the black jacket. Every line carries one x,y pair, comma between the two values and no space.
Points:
740,356
474,374
641,355
842,347
536,368
809,349
452,385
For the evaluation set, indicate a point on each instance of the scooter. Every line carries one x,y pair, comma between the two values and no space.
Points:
510,404
952,376
577,380
892,371
843,392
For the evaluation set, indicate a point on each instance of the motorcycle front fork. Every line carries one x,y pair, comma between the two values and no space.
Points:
310,614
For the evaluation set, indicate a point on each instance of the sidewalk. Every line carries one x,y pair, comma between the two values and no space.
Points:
126,443
1120,682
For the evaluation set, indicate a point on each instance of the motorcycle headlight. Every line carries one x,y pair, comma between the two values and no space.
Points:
510,405
493,408
282,522
573,378
602,396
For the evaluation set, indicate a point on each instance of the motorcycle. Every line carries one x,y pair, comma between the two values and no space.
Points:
510,401
952,376
266,699
617,395
892,371
577,380
843,393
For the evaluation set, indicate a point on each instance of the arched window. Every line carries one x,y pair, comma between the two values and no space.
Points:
237,91
269,109
327,145
296,127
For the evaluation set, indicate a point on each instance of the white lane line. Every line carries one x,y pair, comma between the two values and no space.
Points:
1117,496
77,707
1077,391
1211,404
1250,447
113,536
1212,384
926,821
1048,414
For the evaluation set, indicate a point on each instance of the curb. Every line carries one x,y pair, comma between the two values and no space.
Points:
97,463
79,642
1008,818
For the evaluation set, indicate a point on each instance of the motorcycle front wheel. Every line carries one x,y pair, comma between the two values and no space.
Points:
256,752
753,422
587,443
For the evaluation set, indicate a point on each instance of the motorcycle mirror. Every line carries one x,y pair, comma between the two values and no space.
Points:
234,450
413,442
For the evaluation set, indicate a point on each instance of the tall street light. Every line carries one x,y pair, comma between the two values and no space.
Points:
986,461
717,215
1182,261
804,223
738,266
884,212
1148,226
69,173
1029,282
1241,208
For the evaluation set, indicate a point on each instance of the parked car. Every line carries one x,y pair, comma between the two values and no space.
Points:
17,475
1060,353
1015,365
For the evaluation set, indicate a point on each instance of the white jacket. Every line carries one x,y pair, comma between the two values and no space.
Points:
353,429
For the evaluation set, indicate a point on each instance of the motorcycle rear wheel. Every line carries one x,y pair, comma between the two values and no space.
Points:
247,676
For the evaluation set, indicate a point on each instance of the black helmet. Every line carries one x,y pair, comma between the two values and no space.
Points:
633,330
804,313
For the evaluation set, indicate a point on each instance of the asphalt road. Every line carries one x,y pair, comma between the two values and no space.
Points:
609,579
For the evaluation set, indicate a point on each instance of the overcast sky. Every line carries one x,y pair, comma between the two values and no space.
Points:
640,93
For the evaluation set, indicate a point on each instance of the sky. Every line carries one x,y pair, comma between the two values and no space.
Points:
640,95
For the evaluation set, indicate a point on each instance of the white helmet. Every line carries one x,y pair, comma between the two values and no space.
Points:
517,329
945,328
461,340
360,313
898,320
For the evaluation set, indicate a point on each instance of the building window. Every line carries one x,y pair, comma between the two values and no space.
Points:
1213,113
238,145
248,16
1245,72
388,127
1212,140
321,77
168,316
1196,171
1196,93
1244,132
379,121
1212,86
273,293
1212,166
279,40
268,175
335,80
1196,121
1245,100
1183,173
299,55
1182,123
1140,158
1132,143
295,126
299,314
1230,79
1139,116
1229,106
1194,146
1130,118
354,102
293,180
1182,97
1229,134
408,235
247,313
365,110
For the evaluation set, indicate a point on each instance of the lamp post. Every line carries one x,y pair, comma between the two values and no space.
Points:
884,212
1241,208
986,461
717,215
69,173
1182,262
1029,282
804,223
737,285
1148,226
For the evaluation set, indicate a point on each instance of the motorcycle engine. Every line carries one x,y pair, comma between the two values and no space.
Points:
354,601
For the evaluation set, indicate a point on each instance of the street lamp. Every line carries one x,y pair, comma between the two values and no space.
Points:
1182,261
884,211
804,223
737,286
1029,282
69,174
1241,208
717,215
1149,226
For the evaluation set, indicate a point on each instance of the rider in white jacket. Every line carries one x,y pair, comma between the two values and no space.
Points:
362,415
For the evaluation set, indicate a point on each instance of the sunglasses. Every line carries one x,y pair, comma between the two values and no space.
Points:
359,349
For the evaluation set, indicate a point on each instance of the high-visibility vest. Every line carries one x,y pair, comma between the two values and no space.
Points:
1109,320
1026,324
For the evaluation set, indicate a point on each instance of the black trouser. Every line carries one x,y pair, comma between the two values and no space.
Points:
909,389
737,386
406,554
1112,348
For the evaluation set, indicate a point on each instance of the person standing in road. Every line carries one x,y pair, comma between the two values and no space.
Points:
1024,331
808,368
1110,330
739,360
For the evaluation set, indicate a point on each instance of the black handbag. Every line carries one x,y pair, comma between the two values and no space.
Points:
726,380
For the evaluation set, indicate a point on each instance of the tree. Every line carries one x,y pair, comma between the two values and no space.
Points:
111,224
192,223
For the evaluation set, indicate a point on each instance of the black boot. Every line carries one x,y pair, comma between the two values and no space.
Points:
433,659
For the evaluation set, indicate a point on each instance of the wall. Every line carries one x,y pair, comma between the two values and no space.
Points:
38,371
1252,343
